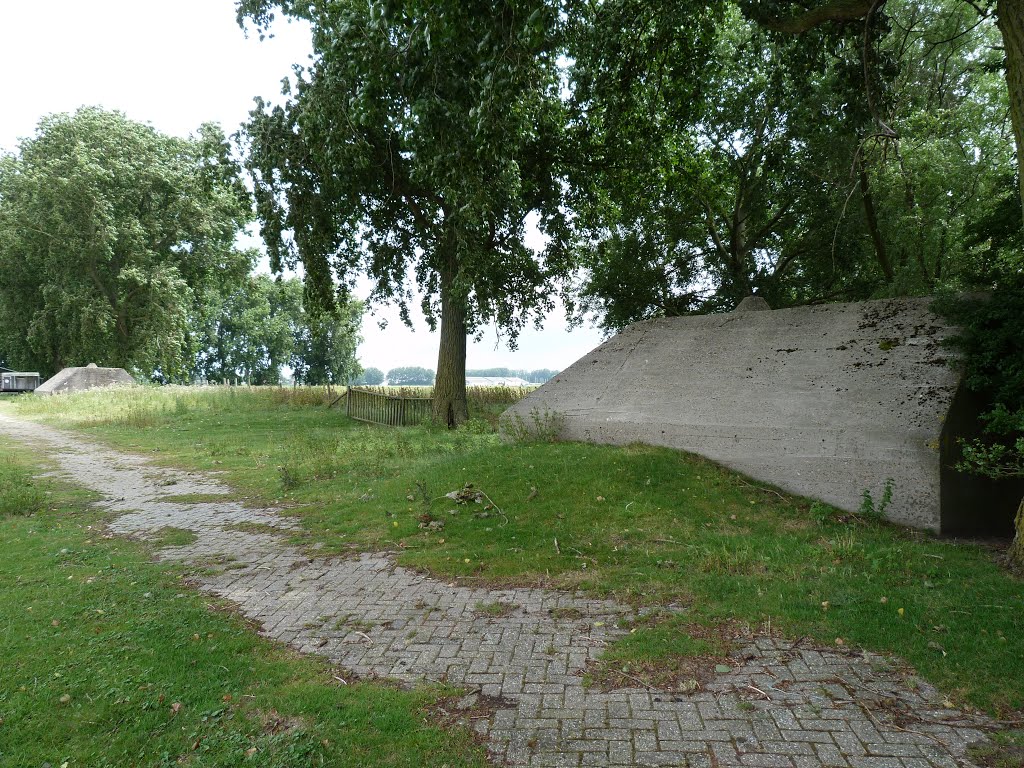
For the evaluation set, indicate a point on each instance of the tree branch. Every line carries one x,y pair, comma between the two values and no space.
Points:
834,10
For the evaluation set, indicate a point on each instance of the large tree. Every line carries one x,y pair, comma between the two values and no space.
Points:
777,178
249,332
797,17
326,344
109,231
411,150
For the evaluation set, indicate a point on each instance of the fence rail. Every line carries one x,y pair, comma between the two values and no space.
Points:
391,410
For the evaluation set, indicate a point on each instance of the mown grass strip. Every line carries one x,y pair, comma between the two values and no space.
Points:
109,659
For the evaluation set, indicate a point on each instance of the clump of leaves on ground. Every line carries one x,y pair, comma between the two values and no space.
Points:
111,660
647,526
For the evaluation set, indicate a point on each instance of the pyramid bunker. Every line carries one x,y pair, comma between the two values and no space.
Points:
826,401
82,378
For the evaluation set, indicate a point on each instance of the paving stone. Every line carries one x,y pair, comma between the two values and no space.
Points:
361,611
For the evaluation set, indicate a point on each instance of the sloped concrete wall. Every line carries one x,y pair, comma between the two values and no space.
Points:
82,378
826,402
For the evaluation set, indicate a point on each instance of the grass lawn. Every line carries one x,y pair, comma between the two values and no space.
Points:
107,659
648,526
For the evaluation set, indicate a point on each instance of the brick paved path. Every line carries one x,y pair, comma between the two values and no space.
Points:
826,709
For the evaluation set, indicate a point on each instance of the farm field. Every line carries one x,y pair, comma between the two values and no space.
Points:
649,527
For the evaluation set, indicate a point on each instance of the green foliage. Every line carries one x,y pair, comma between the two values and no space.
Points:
410,376
538,427
784,173
411,150
326,345
951,166
262,324
251,333
371,376
1003,457
873,510
992,355
111,235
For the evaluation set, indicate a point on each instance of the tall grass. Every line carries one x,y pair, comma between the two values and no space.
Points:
147,406
499,395
141,407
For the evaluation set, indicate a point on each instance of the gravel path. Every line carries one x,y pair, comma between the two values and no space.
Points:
782,705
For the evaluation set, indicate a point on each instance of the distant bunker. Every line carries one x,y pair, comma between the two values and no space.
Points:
826,401
83,378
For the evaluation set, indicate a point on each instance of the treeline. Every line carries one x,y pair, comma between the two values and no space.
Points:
261,327
117,246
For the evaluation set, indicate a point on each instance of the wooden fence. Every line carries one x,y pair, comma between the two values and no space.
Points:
391,410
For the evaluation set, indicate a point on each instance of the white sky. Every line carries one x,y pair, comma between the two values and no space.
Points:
177,65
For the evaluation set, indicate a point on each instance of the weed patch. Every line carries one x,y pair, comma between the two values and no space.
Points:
251,527
1005,751
170,536
496,609
538,427
668,653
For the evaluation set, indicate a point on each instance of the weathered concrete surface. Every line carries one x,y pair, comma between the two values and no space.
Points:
827,402
782,704
79,379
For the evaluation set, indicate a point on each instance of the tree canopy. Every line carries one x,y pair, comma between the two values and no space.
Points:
410,376
110,233
411,150
371,376
794,17
777,177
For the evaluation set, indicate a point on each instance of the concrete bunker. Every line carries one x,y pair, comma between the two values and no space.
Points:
80,379
826,401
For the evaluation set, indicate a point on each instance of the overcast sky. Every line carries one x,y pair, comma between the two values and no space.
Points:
176,65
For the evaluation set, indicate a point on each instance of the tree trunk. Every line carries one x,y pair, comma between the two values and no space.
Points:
449,404
1010,19
1016,553
872,218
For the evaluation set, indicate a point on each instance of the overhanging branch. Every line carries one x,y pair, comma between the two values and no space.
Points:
832,10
